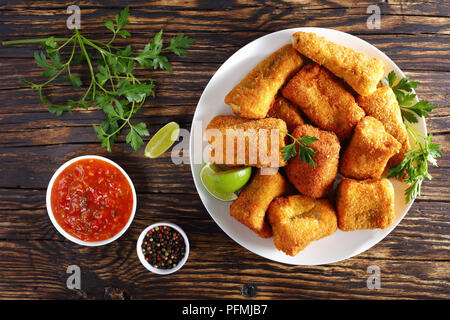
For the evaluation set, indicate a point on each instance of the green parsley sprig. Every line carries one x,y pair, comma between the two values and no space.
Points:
413,170
305,153
112,87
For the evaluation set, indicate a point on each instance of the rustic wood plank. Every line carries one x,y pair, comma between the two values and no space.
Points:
44,128
397,6
37,269
23,216
183,87
20,169
402,6
148,176
432,54
148,20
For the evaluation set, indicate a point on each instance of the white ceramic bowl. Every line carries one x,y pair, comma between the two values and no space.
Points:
61,230
148,265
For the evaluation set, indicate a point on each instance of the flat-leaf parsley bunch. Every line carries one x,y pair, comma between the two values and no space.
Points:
112,87
414,168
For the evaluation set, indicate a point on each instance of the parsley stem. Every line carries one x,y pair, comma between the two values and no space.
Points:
109,72
71,57
91,69
133,78
89,43
87,91
37,40
65,66
127,120
113,38
105,90
65,43
52,78
415,136
103,44
293,138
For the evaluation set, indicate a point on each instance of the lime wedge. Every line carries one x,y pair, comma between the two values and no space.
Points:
223,184
162,140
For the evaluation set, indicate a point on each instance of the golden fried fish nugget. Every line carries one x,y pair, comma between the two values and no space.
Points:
383,105
368,151
367,204
315,182
324,100
286,111
251,205
239,141
254,95
360,71
298,220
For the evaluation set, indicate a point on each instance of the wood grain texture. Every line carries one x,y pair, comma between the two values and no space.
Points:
414,259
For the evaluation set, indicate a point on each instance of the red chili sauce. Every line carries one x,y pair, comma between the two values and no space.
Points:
92,200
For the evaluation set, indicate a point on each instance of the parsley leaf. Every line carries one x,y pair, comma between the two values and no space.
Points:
179,44
109,24
415,166
41,60
413,170
134,136
402,90
288,151
305,153
422,108
74,80
122,18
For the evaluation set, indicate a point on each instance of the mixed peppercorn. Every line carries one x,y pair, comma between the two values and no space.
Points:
163,247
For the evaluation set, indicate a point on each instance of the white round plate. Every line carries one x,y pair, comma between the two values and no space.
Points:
339,246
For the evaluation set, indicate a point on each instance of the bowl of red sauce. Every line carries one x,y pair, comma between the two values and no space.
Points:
91,200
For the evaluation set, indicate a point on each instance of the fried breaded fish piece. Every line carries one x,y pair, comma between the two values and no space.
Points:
286,111
324,100
359,70
366,204
383,105
239,141
251,205
254,95
298,220
315,182
368,151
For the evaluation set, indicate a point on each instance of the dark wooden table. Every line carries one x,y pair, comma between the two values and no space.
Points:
414,258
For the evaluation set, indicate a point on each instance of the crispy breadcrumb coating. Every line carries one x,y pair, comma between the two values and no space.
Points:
315,182
286,111
360,71
367,204
248,142
251,205
298,220
324,100
254,95
368,151
383,105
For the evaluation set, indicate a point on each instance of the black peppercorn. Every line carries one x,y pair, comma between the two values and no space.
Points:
170,247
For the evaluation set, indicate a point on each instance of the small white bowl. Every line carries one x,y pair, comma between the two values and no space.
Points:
61,230
148,265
